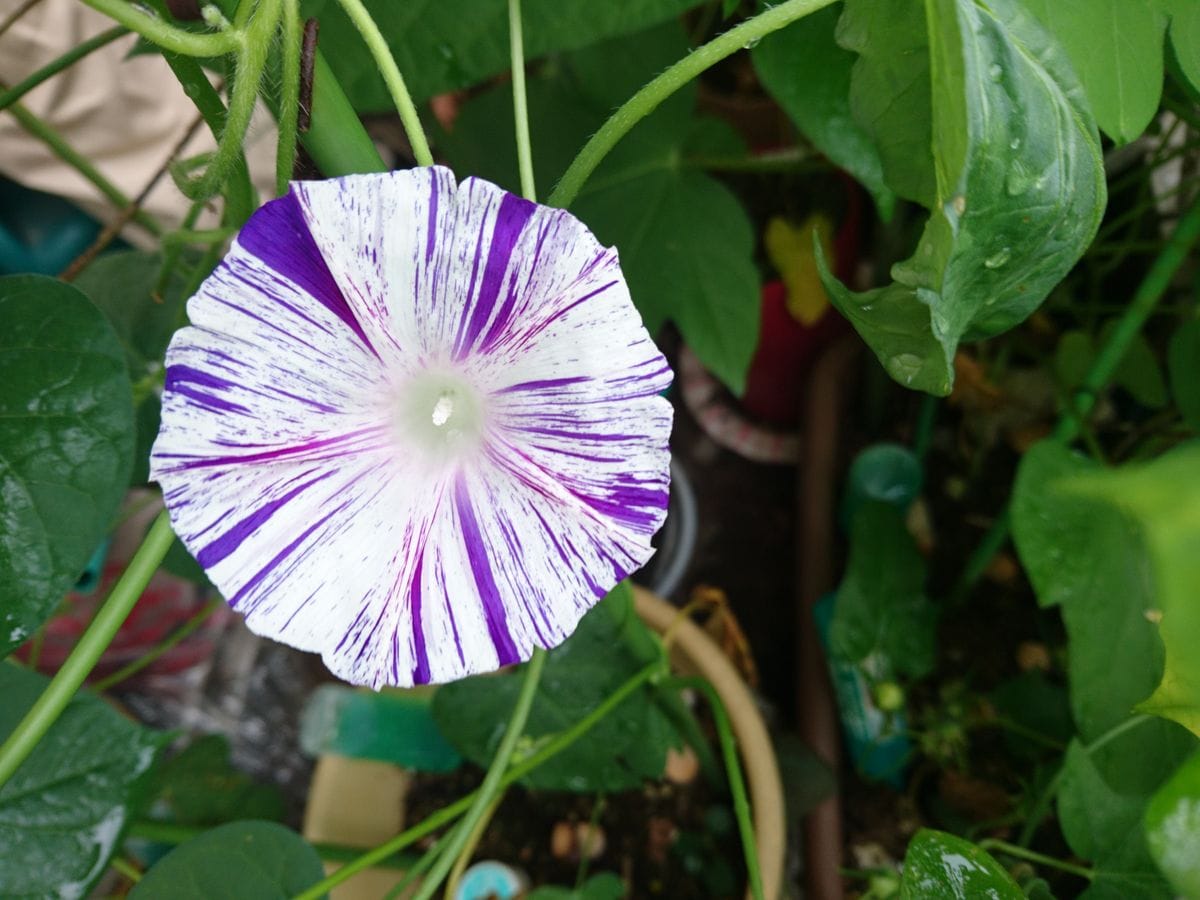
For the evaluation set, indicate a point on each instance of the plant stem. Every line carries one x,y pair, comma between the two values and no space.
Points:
519,770
250,63
733,770
417,869
489,790
469,845
126,868
1031,856
167,36
336,139
646,100
92,644
160,648
72,56
77,161
289,95
382,54
1129,325
520,105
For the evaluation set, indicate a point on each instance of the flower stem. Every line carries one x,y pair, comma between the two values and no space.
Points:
248,73
733,770
1128,327
72,56
77,161
646,100
166,36
126,868
1031,856
468,847
519,770
392,78
158,649
289,95
516,45
92,644
489,790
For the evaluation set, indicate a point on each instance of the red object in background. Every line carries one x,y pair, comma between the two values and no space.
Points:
166,604
786,348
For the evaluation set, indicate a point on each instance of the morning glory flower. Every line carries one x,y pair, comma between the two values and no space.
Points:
415,426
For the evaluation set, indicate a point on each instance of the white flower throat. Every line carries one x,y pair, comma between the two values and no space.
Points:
440,413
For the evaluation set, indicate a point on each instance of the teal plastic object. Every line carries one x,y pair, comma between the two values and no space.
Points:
490,880
876,741
888,473
89,579
40,232
393,726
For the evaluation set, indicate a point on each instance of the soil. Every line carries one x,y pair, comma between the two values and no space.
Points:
663,840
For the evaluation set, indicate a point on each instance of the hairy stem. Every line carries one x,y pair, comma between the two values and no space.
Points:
289,95
167,36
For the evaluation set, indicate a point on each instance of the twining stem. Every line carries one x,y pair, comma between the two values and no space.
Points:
1031,856
163,646
489,790
1128,327
126,868
115,609
72,56
468,847
733,771
167,36
248,73
516,44
64,151
391,77
289,95
519,770
646,100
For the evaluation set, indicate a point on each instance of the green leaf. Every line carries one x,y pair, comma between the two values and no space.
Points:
200,787
808,74
66,444
1139,372
1163,498
940,866
1185,37
1183,366
445,45
122,285
1039,705
1172,825
626,747
686,245
1020,192
1116,49
239,861
602,886
881,604
1104,825
63,812
890,90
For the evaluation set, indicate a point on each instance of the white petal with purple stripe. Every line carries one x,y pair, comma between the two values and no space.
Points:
415,426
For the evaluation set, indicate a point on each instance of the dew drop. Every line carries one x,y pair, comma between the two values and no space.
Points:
906,365
995,72
999,258
1014,144
750,45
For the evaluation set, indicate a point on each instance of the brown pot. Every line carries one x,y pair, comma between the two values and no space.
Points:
361,802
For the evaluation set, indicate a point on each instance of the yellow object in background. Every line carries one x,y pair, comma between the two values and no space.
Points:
790,249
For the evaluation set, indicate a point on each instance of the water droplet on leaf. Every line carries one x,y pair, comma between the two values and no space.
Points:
999,258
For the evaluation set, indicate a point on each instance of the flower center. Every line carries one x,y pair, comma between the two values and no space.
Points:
441,413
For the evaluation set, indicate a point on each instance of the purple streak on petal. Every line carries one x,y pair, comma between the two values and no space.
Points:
511,217
217,550
202,387
420,674
281,453
278,235
431,227
481,570
544,384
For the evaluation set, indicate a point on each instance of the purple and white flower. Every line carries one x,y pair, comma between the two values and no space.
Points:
414,426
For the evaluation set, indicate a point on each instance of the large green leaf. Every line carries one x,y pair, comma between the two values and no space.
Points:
940,866
1116,49
66,444
1104,825
1020,192
804,69
239,861
1185,36
444,45
1172,825
890,90
686,244
1163,498
199,787
881,604
63,812
625,748
1183,365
